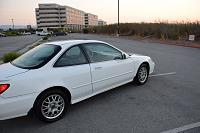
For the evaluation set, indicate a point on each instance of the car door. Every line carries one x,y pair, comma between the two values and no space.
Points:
108,67
74,71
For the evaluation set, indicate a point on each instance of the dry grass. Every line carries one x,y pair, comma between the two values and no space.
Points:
161,30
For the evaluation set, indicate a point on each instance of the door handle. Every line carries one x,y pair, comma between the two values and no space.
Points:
96,68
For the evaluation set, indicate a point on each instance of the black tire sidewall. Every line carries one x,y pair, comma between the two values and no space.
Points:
137,78
39,102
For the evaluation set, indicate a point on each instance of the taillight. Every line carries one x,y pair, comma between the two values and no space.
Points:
3,87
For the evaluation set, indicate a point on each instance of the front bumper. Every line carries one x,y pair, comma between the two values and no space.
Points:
16,106
152,66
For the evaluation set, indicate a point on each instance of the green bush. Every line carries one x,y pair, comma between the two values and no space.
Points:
12,33
85,31
10,57
45,38
173,36
57,29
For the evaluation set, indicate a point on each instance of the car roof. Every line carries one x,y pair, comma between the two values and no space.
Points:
68,43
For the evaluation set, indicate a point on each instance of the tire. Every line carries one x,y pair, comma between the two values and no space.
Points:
51,106
142,74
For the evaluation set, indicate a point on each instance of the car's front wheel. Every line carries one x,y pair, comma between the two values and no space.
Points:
142,74
51,106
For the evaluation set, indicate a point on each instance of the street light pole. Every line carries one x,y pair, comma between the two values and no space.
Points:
13,23
118,30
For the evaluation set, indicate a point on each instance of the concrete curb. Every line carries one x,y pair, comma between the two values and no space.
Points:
183,44
183,128
27,48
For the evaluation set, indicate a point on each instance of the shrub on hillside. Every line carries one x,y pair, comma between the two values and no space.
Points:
161,30
45,38
12,33
85,31
10,57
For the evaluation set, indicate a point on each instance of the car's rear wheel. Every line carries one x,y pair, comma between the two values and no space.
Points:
142,74
51,105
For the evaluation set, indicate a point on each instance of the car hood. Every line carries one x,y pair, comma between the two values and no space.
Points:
8,70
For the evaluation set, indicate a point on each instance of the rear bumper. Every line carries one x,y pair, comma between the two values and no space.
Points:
16,106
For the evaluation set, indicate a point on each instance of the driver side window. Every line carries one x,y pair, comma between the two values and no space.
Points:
102,52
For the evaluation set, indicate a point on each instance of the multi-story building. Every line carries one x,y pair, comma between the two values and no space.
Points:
75,18
57,16
101,23
50,16
91,20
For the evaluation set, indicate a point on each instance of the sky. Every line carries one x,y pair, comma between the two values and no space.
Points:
23,11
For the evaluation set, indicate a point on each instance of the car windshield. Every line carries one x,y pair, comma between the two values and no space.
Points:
37,57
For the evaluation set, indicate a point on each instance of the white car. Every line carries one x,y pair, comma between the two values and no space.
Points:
50,77
26,33
2,35
42,33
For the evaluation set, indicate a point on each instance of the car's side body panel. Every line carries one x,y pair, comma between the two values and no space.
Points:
16,106
109,73
77,79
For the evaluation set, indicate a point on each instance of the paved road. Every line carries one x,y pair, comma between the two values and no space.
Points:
163,103
8,44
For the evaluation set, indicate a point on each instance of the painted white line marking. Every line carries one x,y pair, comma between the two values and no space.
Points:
183,128
162,74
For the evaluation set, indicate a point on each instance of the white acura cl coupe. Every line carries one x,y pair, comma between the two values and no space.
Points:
50,77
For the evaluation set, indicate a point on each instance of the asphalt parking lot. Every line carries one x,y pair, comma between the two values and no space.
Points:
170,99
8,44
